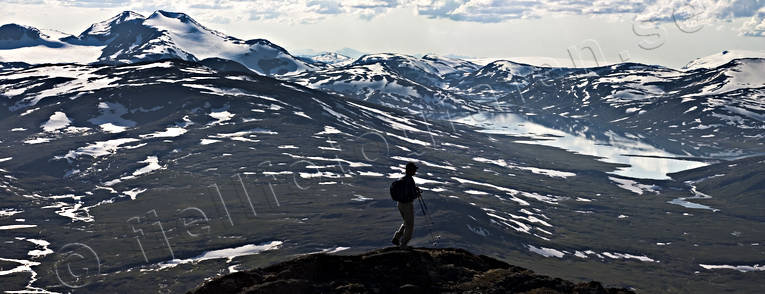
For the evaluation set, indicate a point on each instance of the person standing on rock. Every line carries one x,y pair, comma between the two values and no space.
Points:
404,192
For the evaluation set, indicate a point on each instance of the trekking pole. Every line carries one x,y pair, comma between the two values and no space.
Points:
436,236
429,221
433,237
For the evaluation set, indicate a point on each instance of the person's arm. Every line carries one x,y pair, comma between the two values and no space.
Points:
416,192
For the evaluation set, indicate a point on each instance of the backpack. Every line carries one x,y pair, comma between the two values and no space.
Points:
397,190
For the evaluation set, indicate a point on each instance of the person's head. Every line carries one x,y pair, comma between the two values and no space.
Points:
411,168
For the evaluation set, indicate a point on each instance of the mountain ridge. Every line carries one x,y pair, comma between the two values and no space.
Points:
434,85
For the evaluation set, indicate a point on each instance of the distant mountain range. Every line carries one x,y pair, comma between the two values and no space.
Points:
705,110
332,58
715,103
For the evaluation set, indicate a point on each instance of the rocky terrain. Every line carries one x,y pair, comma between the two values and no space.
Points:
393,270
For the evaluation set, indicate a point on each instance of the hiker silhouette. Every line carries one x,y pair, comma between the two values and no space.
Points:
405,191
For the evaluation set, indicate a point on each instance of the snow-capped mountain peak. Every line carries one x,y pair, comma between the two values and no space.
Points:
447,65
188,33
434,67
104,28
510,67
128,16
263,42
130,37
169,14
175,22
19,43
716,60
200,42
382,57
14,31
17,36
332,58
415,69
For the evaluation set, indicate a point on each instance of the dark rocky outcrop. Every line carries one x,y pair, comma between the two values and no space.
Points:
392,270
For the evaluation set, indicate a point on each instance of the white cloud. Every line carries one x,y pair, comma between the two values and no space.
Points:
755,26
289,11
652,10
709,10
687,14
697,13
477,10
497,11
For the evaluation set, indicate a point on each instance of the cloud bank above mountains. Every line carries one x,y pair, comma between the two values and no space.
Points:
480,11
697,11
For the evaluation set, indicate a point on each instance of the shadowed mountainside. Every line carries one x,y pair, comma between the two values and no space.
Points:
392,270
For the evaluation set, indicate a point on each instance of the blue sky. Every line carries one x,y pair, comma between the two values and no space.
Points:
564,33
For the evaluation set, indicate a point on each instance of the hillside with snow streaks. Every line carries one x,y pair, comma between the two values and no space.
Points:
706,112
715,112
418,85
180,131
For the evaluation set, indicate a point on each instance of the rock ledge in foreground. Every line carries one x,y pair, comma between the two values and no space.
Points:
392,270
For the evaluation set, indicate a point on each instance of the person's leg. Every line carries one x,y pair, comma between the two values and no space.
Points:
407,213
397,236
400,231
